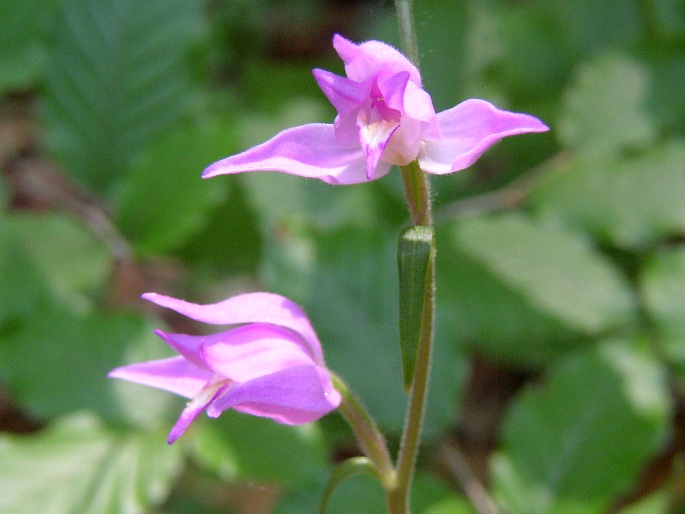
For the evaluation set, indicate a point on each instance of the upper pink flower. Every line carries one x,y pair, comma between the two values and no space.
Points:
384,118
271,366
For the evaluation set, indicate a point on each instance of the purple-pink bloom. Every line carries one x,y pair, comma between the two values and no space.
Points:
270,366
384,118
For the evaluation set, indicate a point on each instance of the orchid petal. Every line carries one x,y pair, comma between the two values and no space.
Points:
307,151
404,145
418,104
469,129
292,396
193,408
188,346
174,374
368,59
345,94
245,353
374,137
247,308
392,90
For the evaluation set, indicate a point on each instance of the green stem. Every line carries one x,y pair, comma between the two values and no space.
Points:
417,188
366,432
405,18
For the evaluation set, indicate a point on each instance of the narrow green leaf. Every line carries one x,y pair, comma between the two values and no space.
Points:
346,279
347,469
414,255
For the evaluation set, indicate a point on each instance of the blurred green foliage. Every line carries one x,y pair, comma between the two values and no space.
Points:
561,254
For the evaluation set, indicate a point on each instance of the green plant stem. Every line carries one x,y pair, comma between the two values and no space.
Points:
366,432
405,18
417,189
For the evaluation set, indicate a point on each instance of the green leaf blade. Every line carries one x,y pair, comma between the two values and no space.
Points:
78,466
117,71
414,258
582,438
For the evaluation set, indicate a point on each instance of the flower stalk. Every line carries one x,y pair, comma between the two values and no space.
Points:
366,432
417,191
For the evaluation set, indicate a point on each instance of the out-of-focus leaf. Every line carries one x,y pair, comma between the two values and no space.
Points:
453,505
71,263
668,17
57,363
164,201
23,284
78,466
582,25
522,290
238,446
655,503
663,286
22,45
118,77
532,62
605,107
668,86
433,495
347,469
360,494
313,201
4,194
582,437
350,294
631,202
230,240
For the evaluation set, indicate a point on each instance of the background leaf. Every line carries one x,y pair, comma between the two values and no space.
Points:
118,77
630,202
47,361
22,41
287,455
604,109
506,284
170,173
555,456
663,286
79,466
72,264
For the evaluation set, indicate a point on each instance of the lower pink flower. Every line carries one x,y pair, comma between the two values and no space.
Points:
270,366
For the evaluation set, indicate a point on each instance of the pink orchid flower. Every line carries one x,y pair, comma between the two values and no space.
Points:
271,366
384,118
